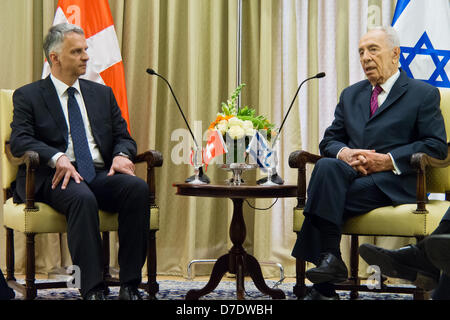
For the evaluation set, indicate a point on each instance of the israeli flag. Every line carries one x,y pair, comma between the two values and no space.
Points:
259,151
424,30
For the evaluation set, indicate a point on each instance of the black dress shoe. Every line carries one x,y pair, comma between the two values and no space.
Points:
313,294
437,248
128,292
95,295
329,269
408,263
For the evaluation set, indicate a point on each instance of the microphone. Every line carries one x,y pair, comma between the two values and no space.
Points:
154,73
275,178
318,76
202,177
151,71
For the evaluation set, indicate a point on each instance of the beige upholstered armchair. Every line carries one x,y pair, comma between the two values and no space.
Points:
409,220
33,217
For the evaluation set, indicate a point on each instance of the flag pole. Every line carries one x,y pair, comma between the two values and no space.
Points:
239,50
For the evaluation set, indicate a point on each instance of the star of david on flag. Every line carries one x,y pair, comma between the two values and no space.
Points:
260,151
424,31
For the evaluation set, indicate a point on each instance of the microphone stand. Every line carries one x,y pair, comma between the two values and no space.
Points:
203,177
275,178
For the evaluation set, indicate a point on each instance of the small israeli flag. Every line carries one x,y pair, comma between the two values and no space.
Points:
260,152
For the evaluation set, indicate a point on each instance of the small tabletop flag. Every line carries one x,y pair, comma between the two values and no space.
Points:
214,147
259,151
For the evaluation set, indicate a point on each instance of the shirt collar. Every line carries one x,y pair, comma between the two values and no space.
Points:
389,83
61,87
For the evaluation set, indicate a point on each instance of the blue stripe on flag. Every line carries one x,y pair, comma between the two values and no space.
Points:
401,5
256,156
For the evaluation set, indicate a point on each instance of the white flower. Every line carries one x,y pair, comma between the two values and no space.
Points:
248,127
235,122
249,131
222,126
247,124
236,132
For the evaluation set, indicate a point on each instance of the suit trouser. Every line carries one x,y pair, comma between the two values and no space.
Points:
125,194
335,192
442,291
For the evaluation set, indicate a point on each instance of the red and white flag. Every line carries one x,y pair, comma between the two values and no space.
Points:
105,61
214,147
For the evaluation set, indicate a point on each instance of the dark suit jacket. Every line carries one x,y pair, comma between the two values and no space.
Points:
409,121
39,125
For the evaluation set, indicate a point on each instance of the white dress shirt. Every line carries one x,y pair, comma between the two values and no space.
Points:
387,86
61,90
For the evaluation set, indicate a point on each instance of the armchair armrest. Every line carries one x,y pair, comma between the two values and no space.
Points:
298,159
153,159
420,162
31,160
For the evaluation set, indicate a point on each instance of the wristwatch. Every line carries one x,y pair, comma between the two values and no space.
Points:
123,155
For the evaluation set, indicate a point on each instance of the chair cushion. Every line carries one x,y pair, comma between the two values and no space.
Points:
48,220
390,221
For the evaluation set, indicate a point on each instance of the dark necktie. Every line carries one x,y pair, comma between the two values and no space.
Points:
83,156
374,99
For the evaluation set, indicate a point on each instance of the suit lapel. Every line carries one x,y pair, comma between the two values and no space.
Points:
364,101
399,88
54,106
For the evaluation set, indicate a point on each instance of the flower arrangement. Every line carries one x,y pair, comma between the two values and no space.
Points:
240,123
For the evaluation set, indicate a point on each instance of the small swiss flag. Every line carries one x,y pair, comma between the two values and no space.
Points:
214,147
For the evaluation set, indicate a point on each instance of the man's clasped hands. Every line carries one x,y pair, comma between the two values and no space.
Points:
366,161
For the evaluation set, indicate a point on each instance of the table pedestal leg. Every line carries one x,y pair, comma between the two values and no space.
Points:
254,270
219,269
238,262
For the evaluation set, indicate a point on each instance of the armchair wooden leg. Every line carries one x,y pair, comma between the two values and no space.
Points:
152,285
354,266
300,286
30,286
10,255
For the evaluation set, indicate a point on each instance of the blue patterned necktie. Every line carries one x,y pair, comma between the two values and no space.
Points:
83,156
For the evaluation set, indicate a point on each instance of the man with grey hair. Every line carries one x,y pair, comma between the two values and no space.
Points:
379,123
55,38
85,155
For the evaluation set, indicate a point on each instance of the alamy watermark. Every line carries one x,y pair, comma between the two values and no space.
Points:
74,280
374,280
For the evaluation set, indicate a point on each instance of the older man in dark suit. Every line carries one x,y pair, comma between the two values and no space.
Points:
379,123
85,154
